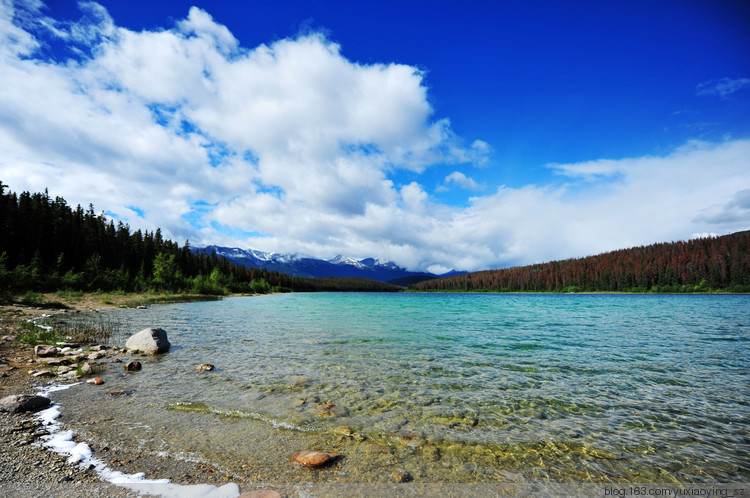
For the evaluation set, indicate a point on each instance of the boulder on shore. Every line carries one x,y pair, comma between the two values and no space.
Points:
150,341
23,403
45,350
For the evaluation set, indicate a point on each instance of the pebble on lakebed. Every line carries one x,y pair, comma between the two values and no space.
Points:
205,367
313,459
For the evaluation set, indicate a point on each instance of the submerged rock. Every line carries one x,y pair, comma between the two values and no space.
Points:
23,403
96,381
44,350
326,409
312,459
133,366
150,341
205,367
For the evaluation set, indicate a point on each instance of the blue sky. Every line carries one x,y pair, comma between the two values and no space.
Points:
438,135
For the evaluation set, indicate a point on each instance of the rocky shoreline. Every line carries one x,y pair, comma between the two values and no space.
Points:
29,469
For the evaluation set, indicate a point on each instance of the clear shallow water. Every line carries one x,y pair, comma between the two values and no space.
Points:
447,387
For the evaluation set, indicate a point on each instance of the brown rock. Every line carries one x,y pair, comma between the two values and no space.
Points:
115,360
313,459
205,367
326,409
133,366
43,350
96,381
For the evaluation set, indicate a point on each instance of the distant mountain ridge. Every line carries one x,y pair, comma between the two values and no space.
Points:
340,266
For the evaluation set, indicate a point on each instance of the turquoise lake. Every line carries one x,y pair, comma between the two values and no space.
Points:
444,387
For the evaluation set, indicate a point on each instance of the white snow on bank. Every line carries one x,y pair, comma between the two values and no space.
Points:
80,453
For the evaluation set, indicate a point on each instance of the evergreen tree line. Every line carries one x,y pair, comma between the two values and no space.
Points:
698,265
45,246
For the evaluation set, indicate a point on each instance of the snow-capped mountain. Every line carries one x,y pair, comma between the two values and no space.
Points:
340,266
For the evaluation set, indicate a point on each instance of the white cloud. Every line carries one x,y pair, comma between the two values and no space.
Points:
296,145
462,181
723,87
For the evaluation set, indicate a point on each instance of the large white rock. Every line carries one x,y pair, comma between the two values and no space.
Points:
151,341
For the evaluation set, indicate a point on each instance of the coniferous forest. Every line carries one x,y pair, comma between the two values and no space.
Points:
46,245
698,265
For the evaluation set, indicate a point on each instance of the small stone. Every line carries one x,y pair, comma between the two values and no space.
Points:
115,360
86,369
312,459
116,393
205,367
96,381
44,350
64,369
133,366
96,355
44,373
326,409
399,476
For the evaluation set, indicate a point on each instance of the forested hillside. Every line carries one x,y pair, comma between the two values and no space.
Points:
45,246
698,265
